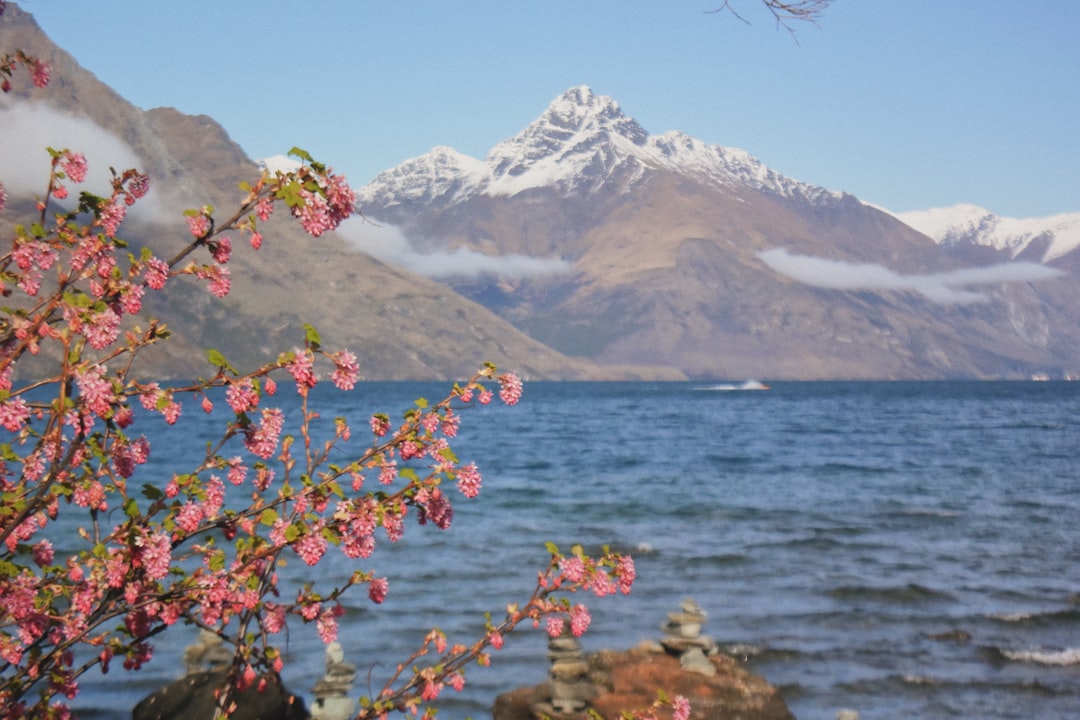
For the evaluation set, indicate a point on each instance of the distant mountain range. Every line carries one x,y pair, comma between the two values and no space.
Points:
584,247
664,250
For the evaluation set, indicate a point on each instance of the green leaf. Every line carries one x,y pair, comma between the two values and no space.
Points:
131,508
218,360
292,533
302,154
312,336
152,492
421,403
552,548
269,517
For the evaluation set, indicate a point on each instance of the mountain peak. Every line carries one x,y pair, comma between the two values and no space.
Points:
577,124
581,143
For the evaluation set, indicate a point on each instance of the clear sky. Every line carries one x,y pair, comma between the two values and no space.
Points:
910,104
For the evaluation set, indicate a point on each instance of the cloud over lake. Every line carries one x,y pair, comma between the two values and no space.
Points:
946,288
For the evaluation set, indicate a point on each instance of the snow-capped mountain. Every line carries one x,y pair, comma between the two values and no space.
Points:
582,143
664,251
1049,238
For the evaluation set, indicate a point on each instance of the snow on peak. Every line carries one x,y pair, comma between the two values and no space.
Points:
580,143
970,224
282,163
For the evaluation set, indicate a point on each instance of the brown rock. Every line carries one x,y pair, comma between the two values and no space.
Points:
630,680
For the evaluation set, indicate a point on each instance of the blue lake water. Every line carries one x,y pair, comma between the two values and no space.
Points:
831,530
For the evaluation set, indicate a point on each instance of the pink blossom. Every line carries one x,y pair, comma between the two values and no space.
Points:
172,410
311,546
264,208
237,471
3,197
680,708
388,472
457,681
221,249
430,691
262,439
156,554
96,392
484,396
602,586
215,497
380,425
256,240
131,299
220,279
579,620
573,568
207,405
468,480
496,639
346,370
450,423
111,216
554,625
14,413
510,388
377,589
189,517
157,272
327,625
241,396
74,166
273,617
138,186
102,329
626,573
300,367
198,225
434,506
43,553
39,73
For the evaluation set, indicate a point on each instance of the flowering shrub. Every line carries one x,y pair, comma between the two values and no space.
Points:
202,546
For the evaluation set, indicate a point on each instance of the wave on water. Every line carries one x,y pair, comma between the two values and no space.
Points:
899,594
1061,658
1051,618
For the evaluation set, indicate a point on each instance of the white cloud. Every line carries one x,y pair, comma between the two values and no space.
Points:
946,288
30,129
389,244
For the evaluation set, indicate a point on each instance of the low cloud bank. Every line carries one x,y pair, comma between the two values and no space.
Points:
30,129
945,288
389,244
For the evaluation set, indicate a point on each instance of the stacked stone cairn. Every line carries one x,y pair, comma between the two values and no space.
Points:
570,686
332,701
208,652
683,638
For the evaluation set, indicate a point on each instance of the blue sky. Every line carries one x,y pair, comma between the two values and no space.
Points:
910,104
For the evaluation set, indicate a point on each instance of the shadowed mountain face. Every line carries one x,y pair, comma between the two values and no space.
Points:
699,257
400,325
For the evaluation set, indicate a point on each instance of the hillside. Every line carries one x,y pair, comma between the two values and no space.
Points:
400,325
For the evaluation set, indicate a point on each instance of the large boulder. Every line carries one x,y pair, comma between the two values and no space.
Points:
194,697
631,679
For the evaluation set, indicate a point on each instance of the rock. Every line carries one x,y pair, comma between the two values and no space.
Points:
629,680
192,697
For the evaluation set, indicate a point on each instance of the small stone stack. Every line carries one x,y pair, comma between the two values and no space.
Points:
683,638
208,652
570,686
332,701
